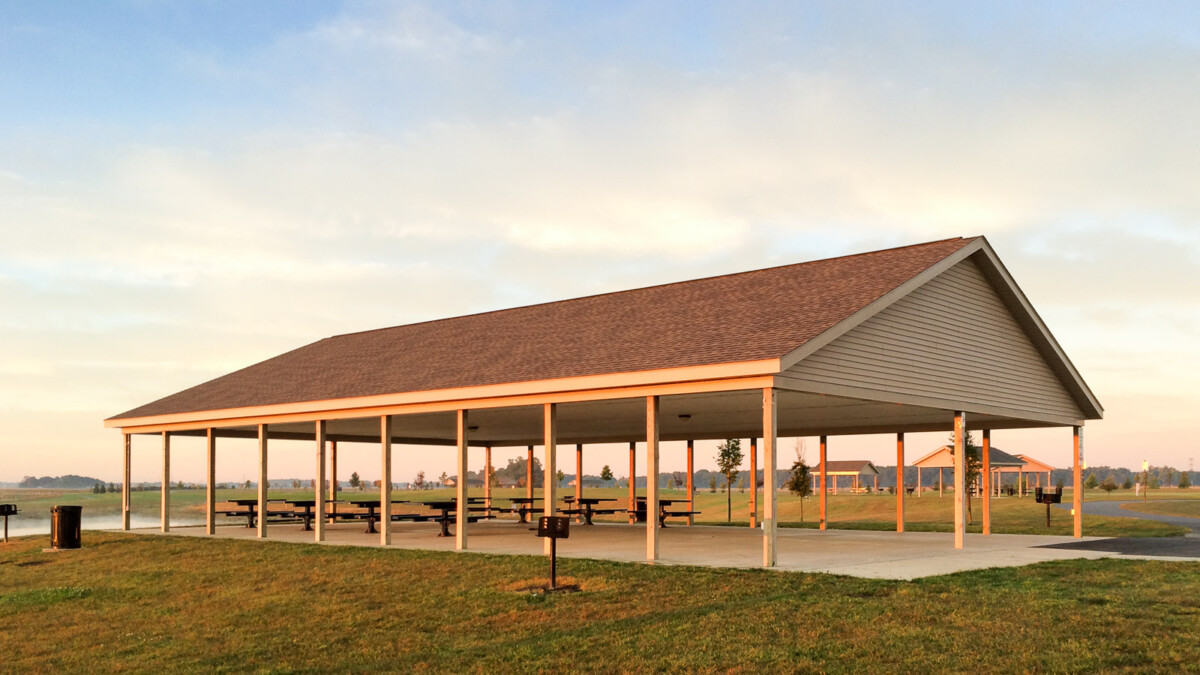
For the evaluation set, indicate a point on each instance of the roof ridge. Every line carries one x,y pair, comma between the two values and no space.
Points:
646,288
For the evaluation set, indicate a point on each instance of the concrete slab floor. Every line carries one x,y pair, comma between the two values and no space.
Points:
880,555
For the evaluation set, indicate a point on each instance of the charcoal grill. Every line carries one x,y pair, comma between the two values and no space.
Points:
7,510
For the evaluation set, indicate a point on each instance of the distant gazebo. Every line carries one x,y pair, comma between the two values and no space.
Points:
1030,466
943,458
854,468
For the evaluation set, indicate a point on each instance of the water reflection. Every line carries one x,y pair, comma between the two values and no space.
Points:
21,526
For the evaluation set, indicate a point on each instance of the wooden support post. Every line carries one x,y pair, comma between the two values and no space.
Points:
126,486
529,473
319,484
549,486
941,480
960,482
333,479
876,487
985,475
385,480
823,479
691,482
210,489
333,473
770,443
578,478
165,492
487,475
652,410
632,482
462,485
899,482
919,489
1077,471
753,482
262,481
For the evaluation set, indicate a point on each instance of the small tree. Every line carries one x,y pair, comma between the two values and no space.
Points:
606,473
1185,480
419,481
972,467
355,481
729,459
712,483
741,484
295,484
1128,484
799,482
1091,483
248,484
443,478
559,476
112,488
1109,484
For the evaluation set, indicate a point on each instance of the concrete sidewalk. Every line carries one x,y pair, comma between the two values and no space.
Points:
881,555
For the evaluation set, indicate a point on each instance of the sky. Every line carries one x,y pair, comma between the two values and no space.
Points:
190,188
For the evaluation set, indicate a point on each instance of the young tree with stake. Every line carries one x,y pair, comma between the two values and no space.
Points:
729,460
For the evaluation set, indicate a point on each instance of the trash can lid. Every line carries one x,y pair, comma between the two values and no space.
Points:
59,507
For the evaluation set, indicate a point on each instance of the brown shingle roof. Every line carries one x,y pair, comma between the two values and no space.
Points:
848,466
749,316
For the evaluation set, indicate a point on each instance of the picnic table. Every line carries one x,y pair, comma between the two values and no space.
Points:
663,513
523,506
252,509
372,507
446,506
586,507
308,505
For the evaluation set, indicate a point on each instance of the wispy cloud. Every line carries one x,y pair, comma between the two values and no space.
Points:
390,163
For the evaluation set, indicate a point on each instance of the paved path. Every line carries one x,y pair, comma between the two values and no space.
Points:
1187,546
1113,508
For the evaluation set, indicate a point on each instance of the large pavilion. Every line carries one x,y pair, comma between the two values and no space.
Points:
931,337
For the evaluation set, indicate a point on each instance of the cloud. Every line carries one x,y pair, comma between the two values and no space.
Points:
394,164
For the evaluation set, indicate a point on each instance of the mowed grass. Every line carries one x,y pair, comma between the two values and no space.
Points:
139,603
1186,509
1010,515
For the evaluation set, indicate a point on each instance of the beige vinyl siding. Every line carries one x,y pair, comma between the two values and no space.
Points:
951,340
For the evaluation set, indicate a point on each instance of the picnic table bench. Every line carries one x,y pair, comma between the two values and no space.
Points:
248,508
449,513
586,507
664,511
523,507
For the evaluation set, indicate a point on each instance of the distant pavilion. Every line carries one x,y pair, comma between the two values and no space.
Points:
931,337
851,468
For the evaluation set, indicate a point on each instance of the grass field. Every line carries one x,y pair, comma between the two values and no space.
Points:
1187,509
1010,515
145,603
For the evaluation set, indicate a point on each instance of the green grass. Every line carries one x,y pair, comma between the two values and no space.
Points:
165,604
1188,509
1010,515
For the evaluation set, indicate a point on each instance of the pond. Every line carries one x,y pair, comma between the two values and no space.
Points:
21,525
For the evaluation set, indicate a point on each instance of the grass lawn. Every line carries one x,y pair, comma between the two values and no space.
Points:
1187,509
146,603
1010,515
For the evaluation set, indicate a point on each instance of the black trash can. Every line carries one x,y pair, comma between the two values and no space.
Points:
66,526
